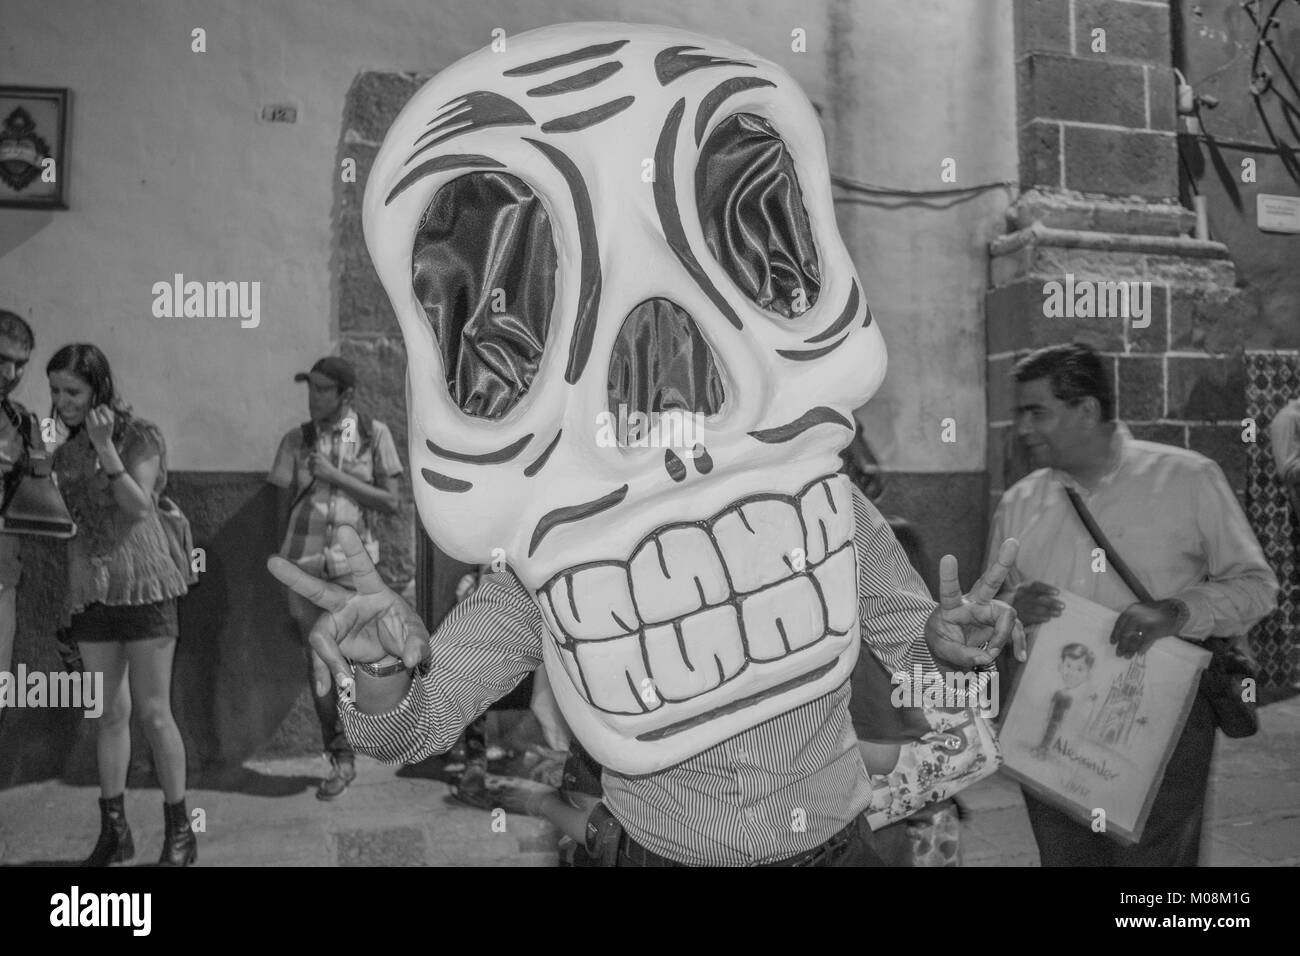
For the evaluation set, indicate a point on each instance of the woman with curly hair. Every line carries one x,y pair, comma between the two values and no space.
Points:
123,582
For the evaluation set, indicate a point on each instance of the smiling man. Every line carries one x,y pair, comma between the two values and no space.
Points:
1174,520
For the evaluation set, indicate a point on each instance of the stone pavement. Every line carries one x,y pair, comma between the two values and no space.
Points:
267,815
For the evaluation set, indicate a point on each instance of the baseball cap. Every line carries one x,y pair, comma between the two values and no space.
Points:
336,369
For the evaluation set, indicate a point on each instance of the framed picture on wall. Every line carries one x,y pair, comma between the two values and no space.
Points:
33,147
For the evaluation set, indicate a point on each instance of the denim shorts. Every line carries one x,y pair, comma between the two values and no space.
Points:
125,622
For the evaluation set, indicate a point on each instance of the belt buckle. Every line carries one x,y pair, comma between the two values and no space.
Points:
828,849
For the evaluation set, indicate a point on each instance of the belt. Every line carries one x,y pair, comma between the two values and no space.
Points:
821,855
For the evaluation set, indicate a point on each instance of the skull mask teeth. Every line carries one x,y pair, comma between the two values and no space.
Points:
536,216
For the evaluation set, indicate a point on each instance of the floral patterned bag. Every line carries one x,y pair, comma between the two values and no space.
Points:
941,751
960,749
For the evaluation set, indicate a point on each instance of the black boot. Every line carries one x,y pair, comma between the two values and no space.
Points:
115,844
180,847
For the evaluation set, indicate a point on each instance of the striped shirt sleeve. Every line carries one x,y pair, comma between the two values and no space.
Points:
893,602
485,646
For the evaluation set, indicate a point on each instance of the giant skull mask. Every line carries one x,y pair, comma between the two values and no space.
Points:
612,214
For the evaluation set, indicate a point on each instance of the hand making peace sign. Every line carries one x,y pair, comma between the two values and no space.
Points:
971,630
366,625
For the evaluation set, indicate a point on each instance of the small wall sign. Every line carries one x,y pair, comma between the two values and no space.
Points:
1277,213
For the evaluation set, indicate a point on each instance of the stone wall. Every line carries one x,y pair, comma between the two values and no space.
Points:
1099,163
1093,120
1100,168
1167,389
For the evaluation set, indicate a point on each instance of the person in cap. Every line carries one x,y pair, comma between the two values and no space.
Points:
332,470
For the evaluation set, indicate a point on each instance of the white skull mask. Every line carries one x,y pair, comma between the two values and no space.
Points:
614,214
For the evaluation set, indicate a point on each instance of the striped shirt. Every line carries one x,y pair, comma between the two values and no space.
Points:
771,792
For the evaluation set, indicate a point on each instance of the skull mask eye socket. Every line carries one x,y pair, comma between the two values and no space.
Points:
483,269
752,213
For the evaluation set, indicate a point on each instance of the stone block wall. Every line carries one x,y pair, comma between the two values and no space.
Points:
1099,164
1167,389
1096,110
368,333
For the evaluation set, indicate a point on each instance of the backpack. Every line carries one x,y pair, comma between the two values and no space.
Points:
176,529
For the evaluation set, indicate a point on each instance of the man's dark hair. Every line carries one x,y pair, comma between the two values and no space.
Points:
1078,652
14,326
1075,372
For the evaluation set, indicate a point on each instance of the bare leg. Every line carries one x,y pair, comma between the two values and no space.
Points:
113,734
151,694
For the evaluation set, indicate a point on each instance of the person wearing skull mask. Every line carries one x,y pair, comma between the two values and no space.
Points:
697,604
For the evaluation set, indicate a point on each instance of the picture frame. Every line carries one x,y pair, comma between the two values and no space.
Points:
33,129
1087,730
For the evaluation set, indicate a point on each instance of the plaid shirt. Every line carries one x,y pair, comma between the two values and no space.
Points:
732,805
320,507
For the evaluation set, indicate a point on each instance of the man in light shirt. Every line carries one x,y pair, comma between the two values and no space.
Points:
1171,516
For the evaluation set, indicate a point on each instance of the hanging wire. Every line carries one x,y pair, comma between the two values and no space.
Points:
864,192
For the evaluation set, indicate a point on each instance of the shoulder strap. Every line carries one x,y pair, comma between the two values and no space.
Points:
1115,560
25,423
308,430
18,419
32,430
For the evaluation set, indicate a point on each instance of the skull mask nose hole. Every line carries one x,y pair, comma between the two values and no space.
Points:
483,268
661,362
